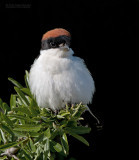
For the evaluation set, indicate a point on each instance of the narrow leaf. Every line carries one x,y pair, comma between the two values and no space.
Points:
0,137
21,117
7,120
5,107
1,101
64,142
26,91
34,108
80,138
3,158
56,146
39,138
23,110
7,129
34,134
79,130
9,145
27,127
13,101
47,133
32,146
20,133
1,108
54,134
60,117
64,137
46,149
76,110
15,83
27,155
3,136
66,113
26,78
22,96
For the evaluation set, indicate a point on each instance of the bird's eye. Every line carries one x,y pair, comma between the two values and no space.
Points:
63,42
52,44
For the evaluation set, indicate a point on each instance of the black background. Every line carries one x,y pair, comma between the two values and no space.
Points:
104,33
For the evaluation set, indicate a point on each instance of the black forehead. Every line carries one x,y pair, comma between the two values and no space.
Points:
46,44
59,39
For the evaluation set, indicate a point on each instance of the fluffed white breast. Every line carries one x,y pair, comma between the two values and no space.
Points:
57,78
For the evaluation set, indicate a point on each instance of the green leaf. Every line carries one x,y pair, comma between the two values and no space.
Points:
23,109
15,83
72,123
26,153
80,138
32,146
60,117
1,101
54,133
1,108
9,145
47,146
66,113
3,136
72,158
0,138
27,127
39,154
46,149
21,117
76,110
7,129
26,91
39,138
26,78
46,130
19,102
34,108
56,146
64,142
52,157
3,158
20,134
7,120
78,130
47,133
13,101
34,134
5,107
22,96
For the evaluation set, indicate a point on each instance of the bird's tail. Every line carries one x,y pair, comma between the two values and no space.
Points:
88,109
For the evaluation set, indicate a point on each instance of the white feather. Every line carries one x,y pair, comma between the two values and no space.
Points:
57,77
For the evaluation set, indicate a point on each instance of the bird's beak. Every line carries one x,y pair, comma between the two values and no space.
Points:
64,46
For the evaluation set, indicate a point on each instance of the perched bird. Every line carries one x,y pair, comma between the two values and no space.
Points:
57,77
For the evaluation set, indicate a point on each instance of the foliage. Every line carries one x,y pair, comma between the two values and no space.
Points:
28,132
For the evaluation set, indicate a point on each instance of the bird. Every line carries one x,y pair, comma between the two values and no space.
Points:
57,77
